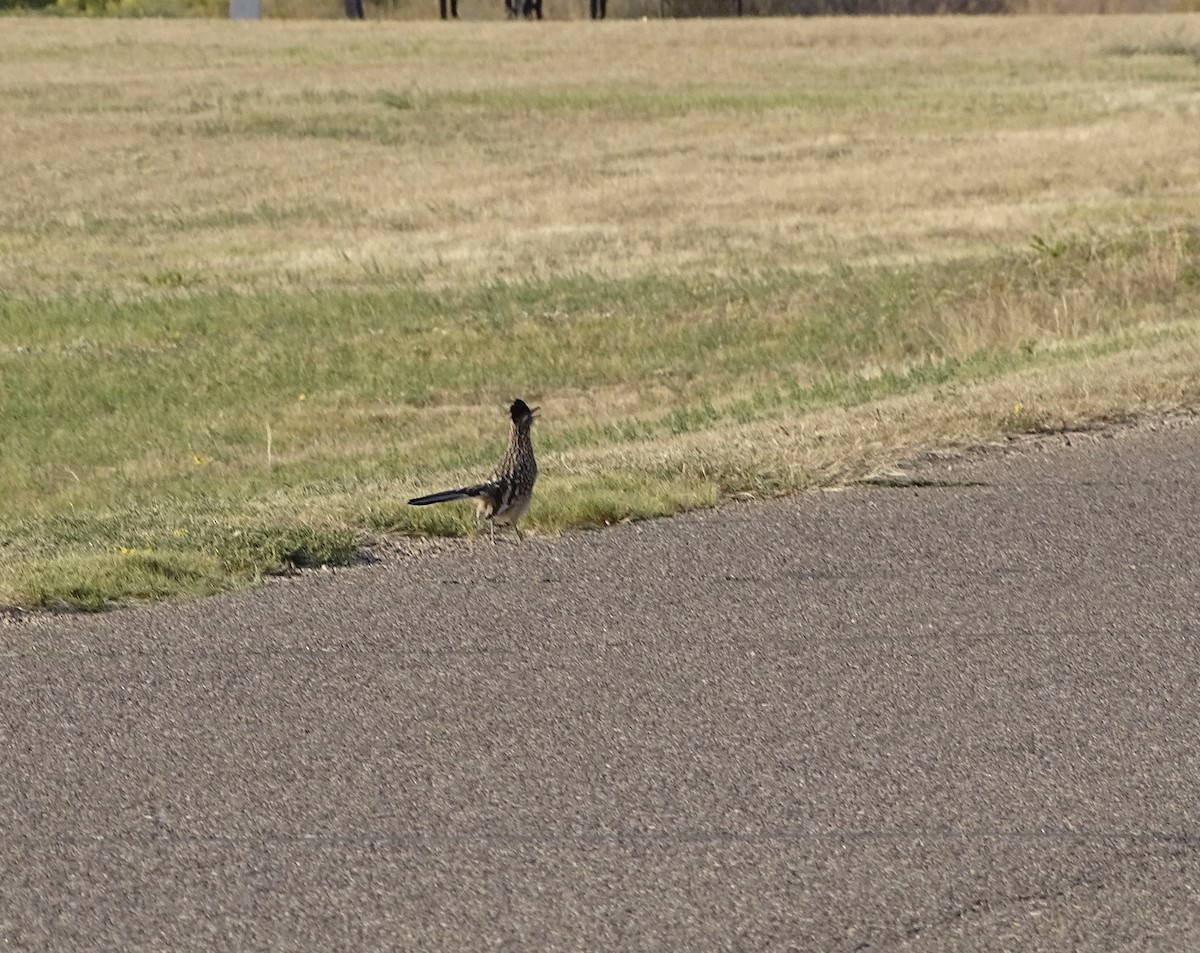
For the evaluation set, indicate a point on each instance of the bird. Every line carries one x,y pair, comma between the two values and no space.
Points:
505,495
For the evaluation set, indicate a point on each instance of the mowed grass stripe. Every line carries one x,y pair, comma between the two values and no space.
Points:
202,440
160,381
299,154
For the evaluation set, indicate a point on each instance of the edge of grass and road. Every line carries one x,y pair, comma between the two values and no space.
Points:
180,444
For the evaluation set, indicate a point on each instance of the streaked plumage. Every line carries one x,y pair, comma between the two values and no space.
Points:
505,495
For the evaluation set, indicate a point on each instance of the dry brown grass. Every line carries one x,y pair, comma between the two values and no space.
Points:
276,153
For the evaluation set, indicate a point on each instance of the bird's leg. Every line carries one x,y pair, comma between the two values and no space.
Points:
492,527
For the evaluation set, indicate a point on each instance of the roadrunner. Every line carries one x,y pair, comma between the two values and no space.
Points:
504,497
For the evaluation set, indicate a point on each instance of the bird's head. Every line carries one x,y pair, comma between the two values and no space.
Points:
521,412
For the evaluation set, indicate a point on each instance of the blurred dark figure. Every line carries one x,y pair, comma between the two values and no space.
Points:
599,9
354,10
453,8
524,8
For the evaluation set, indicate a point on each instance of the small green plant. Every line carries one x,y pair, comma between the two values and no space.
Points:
402,101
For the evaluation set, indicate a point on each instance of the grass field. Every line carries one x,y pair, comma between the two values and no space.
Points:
263,282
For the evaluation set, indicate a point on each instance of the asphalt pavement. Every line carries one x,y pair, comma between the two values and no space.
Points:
955,711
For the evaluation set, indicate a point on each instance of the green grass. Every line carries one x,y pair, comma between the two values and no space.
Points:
136,458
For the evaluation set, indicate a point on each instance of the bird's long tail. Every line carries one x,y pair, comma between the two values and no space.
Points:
463,493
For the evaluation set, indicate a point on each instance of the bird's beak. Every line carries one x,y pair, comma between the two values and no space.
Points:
534,412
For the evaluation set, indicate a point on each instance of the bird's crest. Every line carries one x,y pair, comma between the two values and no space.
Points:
520,410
